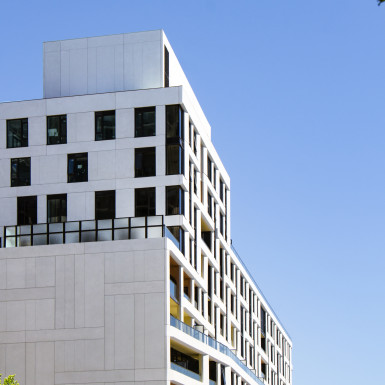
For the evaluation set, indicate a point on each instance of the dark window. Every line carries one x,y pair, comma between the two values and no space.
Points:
57,129
57,208
144,121
209,168
174,200
20,172
144,202
174,123
174,140
175,159
221,190
210,204
77,167
166,68
26,210
144,161
105,204
104,125
17,133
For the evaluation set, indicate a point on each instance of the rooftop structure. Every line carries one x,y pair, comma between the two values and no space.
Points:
116,263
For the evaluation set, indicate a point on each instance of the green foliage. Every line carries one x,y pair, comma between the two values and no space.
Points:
380,2
10,380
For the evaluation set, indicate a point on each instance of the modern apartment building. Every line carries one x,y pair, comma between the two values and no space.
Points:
116,264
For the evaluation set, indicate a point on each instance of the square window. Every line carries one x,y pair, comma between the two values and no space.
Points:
17,133
105,204
57,208
57,129
104,125
144,121
174,200
78,167
144,162
20,172
145,202
26,210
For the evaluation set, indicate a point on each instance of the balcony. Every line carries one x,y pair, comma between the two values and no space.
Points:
87,231
185,371
214,344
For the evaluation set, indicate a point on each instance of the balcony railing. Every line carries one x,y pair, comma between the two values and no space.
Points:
87,231
214,344
185,371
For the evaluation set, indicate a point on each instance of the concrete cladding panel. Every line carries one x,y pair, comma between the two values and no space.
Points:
84,314
103,64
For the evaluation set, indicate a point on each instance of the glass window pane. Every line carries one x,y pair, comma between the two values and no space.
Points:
105,204
26,210
104,125
121,234
145,121
17,133
77,167
145,202
57,129
57,208
174,159
20,172
145,162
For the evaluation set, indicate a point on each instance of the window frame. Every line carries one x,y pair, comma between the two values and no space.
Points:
23,133
148,198
102,195
104,114
62,137
57,196
75,156
33,200
17,161
144,171
139,112
180,194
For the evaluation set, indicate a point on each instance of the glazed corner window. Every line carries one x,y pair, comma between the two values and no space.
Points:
144,161
104,125
144,121
26,210
174,200
77,167
57,129
145,202
20,172
174,140
57,208
17,133
105,204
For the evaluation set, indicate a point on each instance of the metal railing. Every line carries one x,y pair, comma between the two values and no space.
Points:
185,371
87,231
214,344
260,291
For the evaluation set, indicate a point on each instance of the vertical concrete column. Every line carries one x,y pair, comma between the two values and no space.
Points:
42,209
218,371
180,294
186,143
228,375
205,369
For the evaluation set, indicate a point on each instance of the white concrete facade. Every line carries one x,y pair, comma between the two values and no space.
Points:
99,312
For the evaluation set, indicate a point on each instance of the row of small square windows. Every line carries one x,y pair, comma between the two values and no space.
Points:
77,166
104,205
17,129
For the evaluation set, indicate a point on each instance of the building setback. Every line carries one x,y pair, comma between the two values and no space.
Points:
116,264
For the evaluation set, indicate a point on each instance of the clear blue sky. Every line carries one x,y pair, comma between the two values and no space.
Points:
294,91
